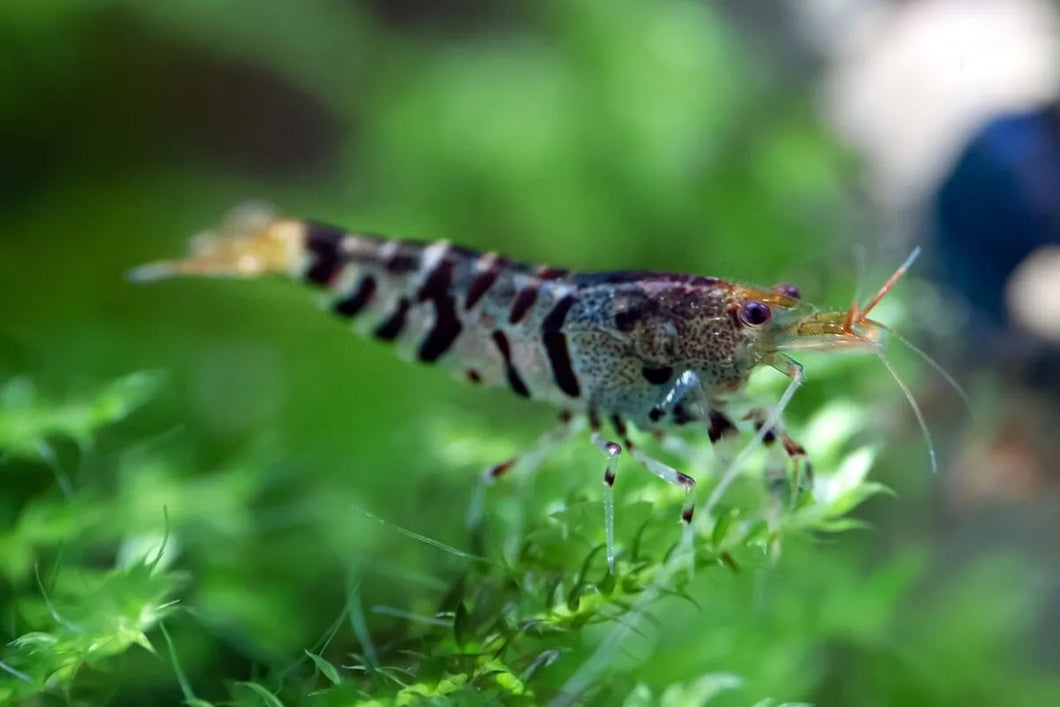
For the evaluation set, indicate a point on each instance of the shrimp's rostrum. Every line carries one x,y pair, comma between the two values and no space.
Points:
655,350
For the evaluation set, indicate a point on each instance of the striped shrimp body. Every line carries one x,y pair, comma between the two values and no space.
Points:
658,351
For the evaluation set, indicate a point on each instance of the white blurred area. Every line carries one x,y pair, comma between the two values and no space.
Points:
1034,293
910,81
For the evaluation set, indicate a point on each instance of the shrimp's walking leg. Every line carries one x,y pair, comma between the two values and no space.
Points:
613,450
525,463
668,474
802,469
724,436
794,371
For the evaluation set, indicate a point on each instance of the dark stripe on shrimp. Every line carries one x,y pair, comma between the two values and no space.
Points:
323,242
556,347
545,272
391,327
447,325
405,259
523,302
351,305
483,280
515,381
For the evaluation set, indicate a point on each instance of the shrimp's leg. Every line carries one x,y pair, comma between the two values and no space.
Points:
525,463
722,431
723,435
674,445
612,450
793,370
795,453
665,472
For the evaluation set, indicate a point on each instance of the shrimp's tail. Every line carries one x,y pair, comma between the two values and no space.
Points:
250,242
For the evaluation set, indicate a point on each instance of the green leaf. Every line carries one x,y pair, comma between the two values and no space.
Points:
326,669
608,583
462,625
267,697
26,422
725,516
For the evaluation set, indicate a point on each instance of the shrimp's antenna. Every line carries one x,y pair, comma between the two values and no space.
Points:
858,315
852,313
916,410
931,362
861,260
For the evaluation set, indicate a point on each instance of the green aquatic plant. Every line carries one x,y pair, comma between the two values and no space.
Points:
537,595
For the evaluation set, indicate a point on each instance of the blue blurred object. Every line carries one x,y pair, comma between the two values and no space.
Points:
999,204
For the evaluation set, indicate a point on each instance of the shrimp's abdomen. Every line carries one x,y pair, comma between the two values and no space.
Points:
492,320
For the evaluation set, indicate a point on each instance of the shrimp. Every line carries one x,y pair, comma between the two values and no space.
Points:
652,350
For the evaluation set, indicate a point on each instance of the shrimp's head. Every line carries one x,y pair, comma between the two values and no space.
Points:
761,324
763,320
806,329
774,322
770,322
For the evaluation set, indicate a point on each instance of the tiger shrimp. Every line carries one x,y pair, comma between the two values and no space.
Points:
652,350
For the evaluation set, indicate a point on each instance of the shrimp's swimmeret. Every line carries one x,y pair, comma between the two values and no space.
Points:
652,349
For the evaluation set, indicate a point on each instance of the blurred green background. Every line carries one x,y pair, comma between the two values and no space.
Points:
616,135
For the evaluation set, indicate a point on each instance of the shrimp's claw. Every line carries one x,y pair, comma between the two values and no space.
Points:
251,241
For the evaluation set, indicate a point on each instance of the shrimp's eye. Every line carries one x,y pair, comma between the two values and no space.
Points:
789,291
754,312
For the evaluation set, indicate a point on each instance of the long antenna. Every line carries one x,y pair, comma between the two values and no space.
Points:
858,315
934,365
916,410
